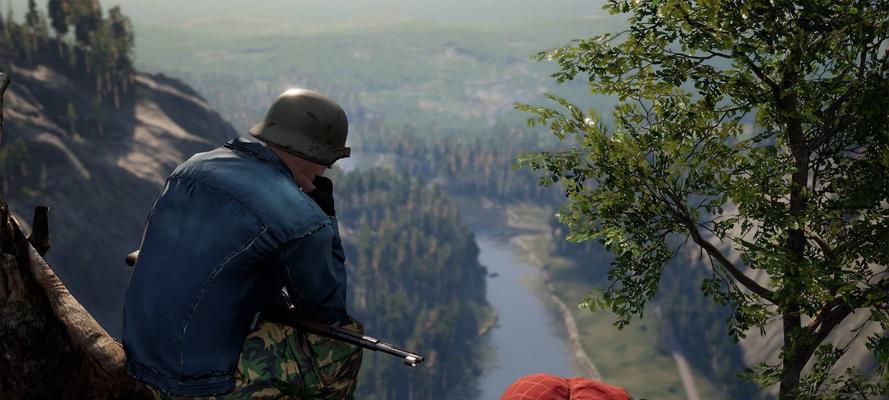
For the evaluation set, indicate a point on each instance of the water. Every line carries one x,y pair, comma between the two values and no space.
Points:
528,338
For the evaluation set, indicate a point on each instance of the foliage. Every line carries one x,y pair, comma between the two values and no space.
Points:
476,166
32,17
58,14
755,128
86,16
104,47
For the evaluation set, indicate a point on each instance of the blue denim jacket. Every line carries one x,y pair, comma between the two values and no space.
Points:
230,230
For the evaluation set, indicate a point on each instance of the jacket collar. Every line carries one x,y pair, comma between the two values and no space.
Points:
255,149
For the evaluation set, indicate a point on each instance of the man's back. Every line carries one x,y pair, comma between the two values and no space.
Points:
211,258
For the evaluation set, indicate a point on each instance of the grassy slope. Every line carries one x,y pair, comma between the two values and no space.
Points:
628,357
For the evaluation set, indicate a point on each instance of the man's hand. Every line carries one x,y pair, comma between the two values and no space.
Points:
320,190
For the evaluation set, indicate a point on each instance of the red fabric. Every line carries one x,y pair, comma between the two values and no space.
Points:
550,387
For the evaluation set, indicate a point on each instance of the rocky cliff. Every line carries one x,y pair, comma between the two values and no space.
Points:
97,165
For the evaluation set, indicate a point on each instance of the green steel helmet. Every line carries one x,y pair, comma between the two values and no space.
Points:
306,124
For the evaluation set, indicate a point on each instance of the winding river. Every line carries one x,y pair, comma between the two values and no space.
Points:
527,338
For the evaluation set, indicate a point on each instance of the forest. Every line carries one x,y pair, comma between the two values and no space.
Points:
416,279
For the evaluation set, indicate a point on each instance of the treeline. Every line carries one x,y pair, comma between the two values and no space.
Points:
695,322
415,280
102,47
469,164
244,100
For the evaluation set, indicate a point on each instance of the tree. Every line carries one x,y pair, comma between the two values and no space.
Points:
122,33
58,15
757,128
35,22
86,15
32,17
3,28
72,119
10,23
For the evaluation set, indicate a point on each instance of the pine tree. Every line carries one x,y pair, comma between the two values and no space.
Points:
87,18
121,31
59,15
32,23
32,17
3,41
10,23
72,119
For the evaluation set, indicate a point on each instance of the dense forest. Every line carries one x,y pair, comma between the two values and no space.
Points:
469,164
415,280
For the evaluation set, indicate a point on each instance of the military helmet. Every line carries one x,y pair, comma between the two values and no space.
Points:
306,124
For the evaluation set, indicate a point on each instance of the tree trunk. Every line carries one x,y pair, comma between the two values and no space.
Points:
794,353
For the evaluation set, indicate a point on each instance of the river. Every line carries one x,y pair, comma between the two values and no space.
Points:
527,338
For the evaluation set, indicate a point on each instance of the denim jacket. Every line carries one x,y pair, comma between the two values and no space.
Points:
230,230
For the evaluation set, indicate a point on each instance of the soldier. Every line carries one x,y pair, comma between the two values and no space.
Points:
248,226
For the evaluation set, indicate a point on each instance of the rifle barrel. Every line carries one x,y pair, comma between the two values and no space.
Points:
363,341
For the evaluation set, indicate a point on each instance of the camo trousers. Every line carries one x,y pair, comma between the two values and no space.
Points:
280,362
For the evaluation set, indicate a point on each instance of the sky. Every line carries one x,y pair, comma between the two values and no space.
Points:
320,12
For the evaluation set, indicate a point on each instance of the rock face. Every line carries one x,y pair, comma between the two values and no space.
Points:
98,167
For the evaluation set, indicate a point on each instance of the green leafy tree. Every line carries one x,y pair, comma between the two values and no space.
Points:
752,128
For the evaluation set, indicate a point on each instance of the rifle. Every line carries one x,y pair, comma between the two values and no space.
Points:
290,317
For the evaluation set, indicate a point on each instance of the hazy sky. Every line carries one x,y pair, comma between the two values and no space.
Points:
320,12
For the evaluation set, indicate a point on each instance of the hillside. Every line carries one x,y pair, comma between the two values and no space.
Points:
99,186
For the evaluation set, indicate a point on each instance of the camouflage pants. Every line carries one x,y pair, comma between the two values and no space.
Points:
280,362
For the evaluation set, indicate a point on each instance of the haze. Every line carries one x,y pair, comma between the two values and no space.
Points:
320,12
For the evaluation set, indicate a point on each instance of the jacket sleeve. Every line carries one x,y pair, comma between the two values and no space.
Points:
315,274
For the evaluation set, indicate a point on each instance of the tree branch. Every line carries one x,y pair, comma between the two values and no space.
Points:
836,310
685,219
735,54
